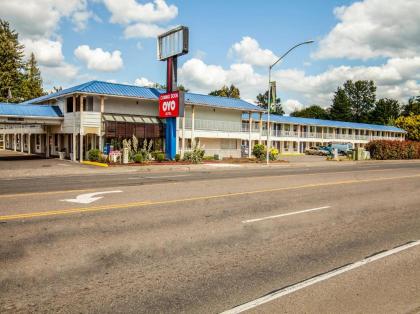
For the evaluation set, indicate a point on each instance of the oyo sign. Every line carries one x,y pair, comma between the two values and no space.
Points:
171,105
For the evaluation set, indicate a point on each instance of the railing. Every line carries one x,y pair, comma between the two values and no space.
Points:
214,125
226,126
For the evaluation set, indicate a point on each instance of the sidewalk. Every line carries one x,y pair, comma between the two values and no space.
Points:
30,167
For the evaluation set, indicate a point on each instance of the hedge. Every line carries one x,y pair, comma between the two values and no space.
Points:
386,149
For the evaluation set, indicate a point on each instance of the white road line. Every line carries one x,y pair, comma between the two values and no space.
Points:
287,214
285,291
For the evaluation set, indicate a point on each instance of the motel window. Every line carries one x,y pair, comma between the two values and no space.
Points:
294,145
88,103
229,144
69,104
286,145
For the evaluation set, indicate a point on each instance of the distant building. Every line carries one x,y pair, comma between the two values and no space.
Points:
100,114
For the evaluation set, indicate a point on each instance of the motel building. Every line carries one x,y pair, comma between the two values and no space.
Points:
99,114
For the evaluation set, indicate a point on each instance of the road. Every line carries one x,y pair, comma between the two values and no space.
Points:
208,242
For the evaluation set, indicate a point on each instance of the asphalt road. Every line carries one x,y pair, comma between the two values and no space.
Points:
209,242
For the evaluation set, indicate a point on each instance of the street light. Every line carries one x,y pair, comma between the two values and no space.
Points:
269,94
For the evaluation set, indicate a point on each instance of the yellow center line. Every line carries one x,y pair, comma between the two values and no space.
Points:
273,175
197,198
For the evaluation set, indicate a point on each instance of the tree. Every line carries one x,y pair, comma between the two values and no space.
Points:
32,81
361,96
180,87
314,111
386,110
411,124
412,107
340,109
276,107
230,92
11,64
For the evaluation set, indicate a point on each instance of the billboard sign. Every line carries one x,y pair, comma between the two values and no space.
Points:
173,43
171,105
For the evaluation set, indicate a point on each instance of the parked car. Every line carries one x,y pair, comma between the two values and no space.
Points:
342,148
320,151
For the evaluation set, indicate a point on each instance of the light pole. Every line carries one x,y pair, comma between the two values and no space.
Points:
269,95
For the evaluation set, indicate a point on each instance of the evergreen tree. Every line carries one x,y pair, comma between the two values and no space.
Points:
386,110
276,107
32,81
340,109
225,91
314,111
412,107
11,64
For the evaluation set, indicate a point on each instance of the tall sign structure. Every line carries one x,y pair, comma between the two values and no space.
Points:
172,44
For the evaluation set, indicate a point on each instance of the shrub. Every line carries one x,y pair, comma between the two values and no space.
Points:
138,158
160,156
216,157
208,158
386,149
94,154
259,151
274,154
196,155
177,157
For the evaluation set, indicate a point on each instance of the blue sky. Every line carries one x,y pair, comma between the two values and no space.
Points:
230,42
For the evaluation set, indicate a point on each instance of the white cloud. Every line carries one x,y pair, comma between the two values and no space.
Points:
142,81
201,77
63,74
248,51
40,18
47,52
141,30
397,78
291,105
98,59
128,11
374,28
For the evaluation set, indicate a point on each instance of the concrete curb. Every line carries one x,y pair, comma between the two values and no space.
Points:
93,163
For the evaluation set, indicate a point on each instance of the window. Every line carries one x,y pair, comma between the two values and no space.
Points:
69,104
88,103
228,144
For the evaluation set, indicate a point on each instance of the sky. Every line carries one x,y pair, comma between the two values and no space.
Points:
231,42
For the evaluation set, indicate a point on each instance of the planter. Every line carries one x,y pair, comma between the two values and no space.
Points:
61,155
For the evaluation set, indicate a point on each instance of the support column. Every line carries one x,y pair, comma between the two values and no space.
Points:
81,150
192,126
74,152
29,143
183,137
21,142
47,144
260,124
249,135
101,144
14,142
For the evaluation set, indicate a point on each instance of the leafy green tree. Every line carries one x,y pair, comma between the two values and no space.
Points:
361,96
341,109
32,81
276,107
314,111
180,87
385,112
412,107
411,124
225,91
11,64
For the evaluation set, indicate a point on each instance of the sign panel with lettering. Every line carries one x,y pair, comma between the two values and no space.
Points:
171,105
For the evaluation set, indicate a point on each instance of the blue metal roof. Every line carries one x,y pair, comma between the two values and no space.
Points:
29,110
113,89
326,123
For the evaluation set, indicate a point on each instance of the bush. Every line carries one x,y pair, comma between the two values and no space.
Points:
259,151
94,154
196,155
208,158
138,158
177,157
386,149
216,157
160,157
274,154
